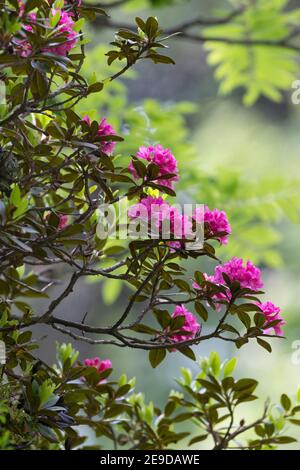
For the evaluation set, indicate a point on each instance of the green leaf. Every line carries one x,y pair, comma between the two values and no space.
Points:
156,356
264,344
25,337
229,367
284,440
151,27
160,59
188,352
261,69
285,402
95,87
201,310
144,329
197,439
214,362
15,197
243,385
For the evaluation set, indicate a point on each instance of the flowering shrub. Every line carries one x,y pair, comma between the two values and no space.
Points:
56,170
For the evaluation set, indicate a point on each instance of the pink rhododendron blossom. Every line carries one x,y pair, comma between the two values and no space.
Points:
248,275
104,129
63,221
162,218
97,363
65,26
149,209
163,158
217,220
272,313
190,324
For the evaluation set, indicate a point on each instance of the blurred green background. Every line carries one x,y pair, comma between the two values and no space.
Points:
244,160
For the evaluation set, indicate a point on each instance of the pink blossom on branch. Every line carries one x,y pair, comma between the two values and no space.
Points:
217,221
248,275
163,217
65,26
148,209
191,326
161,157
97,363
272,313
104,128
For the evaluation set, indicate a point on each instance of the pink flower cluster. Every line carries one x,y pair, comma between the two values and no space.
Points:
217,222
65,26
97,363
161,157
248,275
157,210
104,129
272,313
161,216
191,326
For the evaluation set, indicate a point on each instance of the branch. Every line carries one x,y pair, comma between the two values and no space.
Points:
242,41
199,21
147,279
230,436
182,31
115,4
44,318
